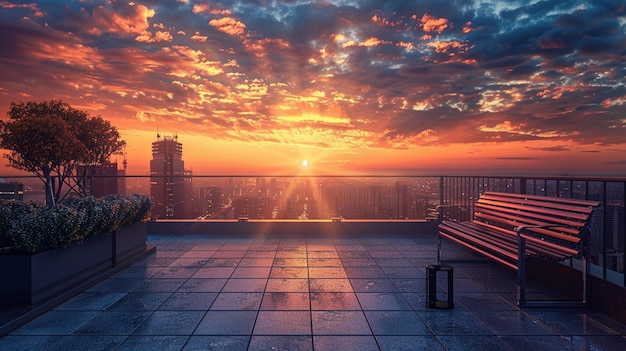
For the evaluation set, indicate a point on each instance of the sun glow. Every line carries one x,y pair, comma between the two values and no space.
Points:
305,163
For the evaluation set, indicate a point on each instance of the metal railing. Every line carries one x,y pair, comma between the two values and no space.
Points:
410,198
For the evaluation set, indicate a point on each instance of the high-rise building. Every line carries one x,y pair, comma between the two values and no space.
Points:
167,178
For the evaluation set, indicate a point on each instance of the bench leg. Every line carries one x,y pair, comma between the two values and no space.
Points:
438,248
521,271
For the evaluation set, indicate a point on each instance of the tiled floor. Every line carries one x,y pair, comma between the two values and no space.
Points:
208,293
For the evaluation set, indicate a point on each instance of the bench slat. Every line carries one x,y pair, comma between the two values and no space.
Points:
512,224
482,252
583,206
559,213
571,226
536,244
499,242
506,240
564,200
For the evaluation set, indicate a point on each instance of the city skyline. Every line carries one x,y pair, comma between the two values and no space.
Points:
367,87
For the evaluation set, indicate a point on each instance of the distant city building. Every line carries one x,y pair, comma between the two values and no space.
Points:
252,207
104,179
168,178
11,191
211,201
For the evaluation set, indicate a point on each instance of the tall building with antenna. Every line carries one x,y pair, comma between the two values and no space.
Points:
167,178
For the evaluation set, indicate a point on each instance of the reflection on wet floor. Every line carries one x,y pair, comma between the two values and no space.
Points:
202,293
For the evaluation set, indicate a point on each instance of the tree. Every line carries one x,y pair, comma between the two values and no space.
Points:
51,138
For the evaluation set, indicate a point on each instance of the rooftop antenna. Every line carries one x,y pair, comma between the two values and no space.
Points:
158,135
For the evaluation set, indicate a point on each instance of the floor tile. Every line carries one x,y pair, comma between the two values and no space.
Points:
56,323
411,343
541,342
511,323
473,342
214,272
88,343
340,323
285,301
28,342
245,285
203,285
170,323
159,285
373,285
153,342
217,343
287,285
141,301
283,323
327,272
345,343
365,272
227,323
188,302
382,301
252,272
121,285
281,342
113,323
176,272
237,301
334,301
330,285
93,301
289,273
396,323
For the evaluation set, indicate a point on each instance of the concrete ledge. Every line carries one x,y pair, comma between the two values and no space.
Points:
294,229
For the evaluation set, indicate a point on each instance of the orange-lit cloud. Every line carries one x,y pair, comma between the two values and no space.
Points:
133,19
430,23
229,26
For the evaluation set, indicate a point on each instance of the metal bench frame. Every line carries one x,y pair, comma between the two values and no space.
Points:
526,230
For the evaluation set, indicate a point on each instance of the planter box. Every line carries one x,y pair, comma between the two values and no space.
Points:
128,242
30,279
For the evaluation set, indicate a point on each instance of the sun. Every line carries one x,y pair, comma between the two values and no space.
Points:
305,163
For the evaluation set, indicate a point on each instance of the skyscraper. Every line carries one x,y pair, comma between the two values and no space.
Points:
167,178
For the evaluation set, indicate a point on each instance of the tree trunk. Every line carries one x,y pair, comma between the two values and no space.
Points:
49,191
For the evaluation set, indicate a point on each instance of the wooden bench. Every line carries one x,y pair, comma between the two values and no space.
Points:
508,228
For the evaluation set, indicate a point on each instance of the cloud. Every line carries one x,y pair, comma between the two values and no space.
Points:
430,23
352,74
229,26
124,20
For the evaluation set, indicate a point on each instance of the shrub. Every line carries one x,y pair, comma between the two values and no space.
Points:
30,228
10,213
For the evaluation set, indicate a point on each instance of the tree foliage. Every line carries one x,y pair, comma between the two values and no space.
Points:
50,139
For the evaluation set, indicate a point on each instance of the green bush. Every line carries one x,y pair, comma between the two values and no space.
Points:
30,228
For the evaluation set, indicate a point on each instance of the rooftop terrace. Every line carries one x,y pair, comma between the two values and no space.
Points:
205,292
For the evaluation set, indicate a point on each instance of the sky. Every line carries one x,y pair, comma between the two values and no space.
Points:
363,87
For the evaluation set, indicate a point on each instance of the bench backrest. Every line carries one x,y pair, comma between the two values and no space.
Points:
508,211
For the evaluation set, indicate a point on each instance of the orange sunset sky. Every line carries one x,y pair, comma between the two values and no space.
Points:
355,87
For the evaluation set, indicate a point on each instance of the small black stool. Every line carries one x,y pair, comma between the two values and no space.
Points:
431,287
